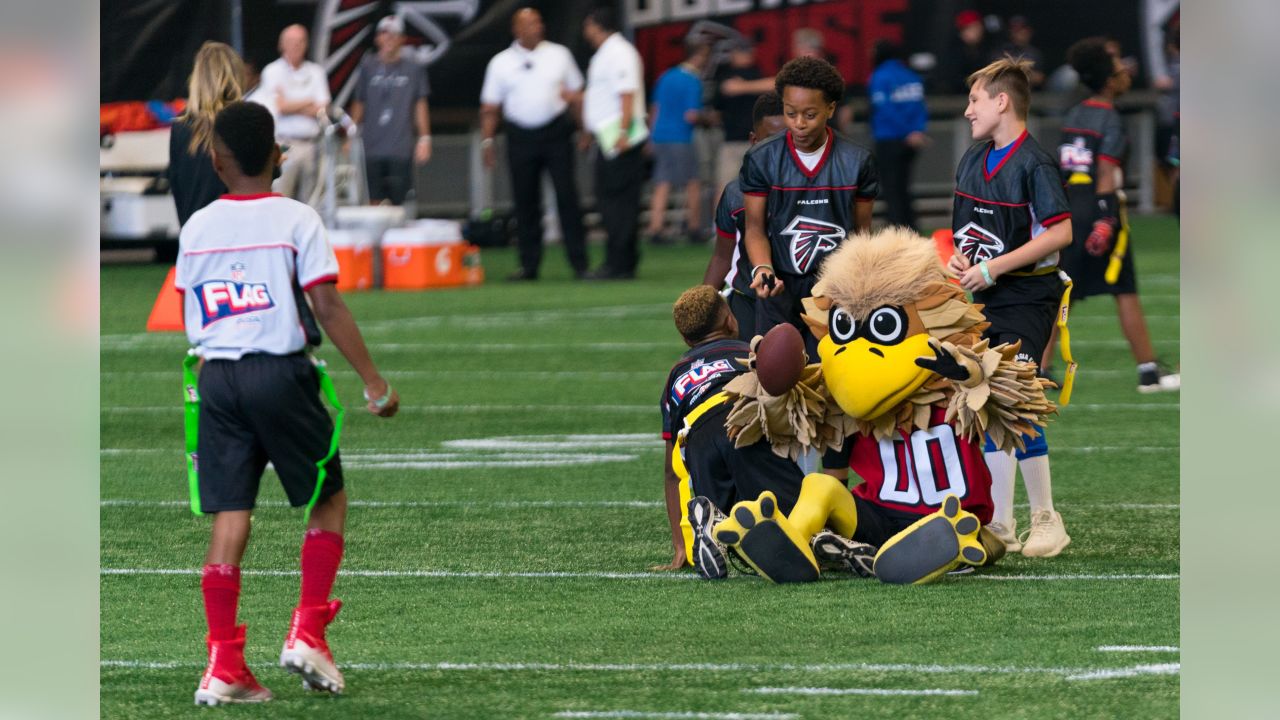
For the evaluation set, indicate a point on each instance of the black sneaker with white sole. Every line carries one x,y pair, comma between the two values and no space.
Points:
708,555
1158,379
835,552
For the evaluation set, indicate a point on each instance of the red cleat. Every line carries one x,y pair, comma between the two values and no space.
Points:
306,652
228,679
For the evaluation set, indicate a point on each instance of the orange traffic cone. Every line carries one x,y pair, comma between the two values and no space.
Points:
166,314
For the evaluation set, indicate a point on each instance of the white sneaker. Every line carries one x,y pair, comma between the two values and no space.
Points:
306,652
1047,537
1007,535
1154,381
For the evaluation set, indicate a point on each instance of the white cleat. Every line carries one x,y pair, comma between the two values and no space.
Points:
1047,537
213,691
307,653
1006,535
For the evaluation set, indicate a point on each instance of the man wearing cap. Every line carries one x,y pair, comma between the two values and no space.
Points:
390,106
297,91
532,84
969,51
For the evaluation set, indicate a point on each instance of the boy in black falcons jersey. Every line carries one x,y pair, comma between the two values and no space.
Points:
704,472
729,264
1091,156
1010,220
804,192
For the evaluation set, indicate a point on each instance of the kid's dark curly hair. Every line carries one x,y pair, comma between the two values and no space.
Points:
1091,61
698,312
812,73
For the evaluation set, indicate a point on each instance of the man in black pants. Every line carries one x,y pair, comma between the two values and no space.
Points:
532,83
613,111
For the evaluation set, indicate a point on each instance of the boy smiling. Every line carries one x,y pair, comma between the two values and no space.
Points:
804,191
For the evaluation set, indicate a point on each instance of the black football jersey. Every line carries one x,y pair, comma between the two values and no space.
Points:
1092,131
701,372
808,213
731,218
997,213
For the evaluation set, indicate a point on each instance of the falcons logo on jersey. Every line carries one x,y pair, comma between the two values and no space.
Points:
809,238
977,243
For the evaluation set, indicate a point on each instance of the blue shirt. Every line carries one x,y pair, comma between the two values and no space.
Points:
677,92
996,155
897,101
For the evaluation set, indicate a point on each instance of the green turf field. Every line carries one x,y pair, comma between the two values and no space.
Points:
505,522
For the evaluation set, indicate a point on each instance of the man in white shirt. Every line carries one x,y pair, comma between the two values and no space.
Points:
532,84
613,111
297,91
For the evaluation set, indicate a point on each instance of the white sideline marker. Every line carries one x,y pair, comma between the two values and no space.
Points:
1084,673
857,691
677,715
1135,671
1138,648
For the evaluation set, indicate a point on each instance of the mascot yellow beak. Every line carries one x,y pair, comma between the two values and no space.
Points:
870,364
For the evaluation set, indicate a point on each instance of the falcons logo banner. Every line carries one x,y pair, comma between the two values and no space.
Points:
810,239
978,243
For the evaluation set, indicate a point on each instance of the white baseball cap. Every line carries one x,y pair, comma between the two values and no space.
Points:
391,24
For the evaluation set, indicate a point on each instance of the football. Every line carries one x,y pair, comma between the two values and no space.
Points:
780,359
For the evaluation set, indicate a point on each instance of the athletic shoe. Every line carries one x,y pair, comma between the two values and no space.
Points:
227,679
708,555
1006,535
1047,537
835,552
1158,380
306,652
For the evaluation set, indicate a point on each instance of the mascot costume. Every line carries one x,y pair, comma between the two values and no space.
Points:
908,387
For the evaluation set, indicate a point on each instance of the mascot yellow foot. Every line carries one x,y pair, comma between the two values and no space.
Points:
767,541
931,547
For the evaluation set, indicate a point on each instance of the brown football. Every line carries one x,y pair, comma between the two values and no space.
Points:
780,359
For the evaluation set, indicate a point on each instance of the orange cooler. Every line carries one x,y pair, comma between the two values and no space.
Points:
354,249
429,254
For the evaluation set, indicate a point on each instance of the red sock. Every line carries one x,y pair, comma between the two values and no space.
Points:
321,555
221,586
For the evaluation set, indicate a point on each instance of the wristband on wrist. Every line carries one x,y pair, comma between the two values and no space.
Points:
756,270
380,402
486,142
424,138
986,274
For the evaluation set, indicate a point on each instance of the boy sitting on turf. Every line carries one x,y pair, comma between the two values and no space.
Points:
804,192
729,264
705,474
245,263
1009,221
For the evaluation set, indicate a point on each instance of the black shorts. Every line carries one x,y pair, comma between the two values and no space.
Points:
1088,272
876,523
727,475
1022,309
257,409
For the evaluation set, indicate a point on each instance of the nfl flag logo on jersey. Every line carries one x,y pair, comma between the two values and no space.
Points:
237,272
810,239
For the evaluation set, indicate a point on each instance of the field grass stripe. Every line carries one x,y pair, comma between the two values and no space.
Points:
469,374
682,715
592,575
906,668
489,407
395,504
1138,648
1135,671
857,691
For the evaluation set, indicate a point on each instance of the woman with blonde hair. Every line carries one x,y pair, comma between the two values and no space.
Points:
217,80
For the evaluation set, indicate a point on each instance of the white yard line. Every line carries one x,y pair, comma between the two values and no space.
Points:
588,575
906,668
1120,343
1138,648
856,691
124,502
682,715
1135,671
477,408
475,374
1148,407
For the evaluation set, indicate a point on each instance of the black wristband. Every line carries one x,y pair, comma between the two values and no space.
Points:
1109,208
